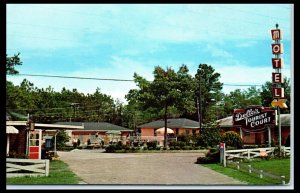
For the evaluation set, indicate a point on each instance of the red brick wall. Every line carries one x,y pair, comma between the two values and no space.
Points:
17,142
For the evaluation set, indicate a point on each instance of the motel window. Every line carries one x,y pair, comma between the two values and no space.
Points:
194,131
177,131
187,131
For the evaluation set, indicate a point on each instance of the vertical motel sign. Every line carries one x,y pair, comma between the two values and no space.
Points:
277,63
277,78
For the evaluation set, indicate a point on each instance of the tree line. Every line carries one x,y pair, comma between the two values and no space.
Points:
171,94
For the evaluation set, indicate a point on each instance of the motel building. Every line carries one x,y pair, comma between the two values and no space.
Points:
260,137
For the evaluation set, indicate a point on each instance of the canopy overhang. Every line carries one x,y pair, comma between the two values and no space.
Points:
11,129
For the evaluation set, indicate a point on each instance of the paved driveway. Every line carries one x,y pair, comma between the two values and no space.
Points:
94,167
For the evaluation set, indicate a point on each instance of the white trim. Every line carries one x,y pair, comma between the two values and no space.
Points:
16,123
58,126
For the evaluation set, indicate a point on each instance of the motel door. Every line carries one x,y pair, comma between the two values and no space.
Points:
35,144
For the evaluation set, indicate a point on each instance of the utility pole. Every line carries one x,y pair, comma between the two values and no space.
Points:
199,103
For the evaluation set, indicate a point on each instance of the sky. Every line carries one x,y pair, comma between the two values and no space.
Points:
114,41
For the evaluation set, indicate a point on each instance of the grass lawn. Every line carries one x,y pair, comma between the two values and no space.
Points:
59,173
278,167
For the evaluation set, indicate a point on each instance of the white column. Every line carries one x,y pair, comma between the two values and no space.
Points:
7,146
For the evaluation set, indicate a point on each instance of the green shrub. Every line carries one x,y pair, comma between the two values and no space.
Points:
164,148
177,148
204,160
110,149
157,148
126,147
152,144
184,138
180,144
145,148
185,147
171,148
150,148
232,138
208,137
209,158
133,148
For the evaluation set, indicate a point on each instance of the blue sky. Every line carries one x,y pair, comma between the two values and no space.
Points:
116,40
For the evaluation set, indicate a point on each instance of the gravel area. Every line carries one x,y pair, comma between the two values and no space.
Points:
96,167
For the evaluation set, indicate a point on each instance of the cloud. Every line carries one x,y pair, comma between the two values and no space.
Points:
217,52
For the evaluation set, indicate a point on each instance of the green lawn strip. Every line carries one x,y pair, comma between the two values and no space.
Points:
59,173
278,167
243,176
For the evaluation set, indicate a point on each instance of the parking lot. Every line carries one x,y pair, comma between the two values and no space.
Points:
96,167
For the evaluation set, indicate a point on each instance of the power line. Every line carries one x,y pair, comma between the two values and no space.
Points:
75,77
113,79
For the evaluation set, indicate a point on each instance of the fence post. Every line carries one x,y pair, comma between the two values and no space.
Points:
47,167
283,179
248,151
238,165
261,174
249,169
224,155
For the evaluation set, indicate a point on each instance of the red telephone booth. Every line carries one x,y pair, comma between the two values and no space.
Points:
35,144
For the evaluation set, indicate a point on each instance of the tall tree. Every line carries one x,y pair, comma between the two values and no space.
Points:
240,99
210,89
11,63
169,89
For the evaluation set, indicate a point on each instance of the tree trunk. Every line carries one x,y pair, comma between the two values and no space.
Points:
165,134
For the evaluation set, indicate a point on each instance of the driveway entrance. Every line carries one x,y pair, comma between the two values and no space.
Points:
94,167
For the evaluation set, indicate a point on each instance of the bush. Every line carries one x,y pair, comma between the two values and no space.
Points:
204,160
125,147
231,138
184,138
171,148
132,148
179,144
209,158
152,144
208,137
177,148
110,149
157,148
150,148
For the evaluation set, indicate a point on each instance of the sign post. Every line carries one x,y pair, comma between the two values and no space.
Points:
222,154
277,79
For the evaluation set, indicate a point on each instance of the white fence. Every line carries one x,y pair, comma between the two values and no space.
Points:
252,153
26,167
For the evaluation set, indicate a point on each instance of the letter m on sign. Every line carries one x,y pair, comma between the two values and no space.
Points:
276,34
